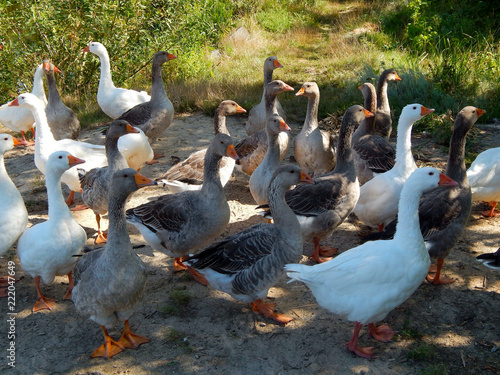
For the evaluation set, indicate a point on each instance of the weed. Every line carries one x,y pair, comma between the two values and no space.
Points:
435,370
179,299
420,351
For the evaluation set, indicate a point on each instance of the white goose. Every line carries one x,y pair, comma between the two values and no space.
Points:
20,119
378,198
365,283
114,101
47,249
15,217
94,155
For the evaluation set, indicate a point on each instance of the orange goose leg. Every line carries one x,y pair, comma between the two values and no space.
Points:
491,212
322,254
438,279
267,309
382,333
109,348
67,295
352,344
179,265
130,339
42,302
102,237
24,141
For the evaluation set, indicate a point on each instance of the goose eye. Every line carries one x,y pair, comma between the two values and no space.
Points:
125,175
6,139
60,157
431,173
414,107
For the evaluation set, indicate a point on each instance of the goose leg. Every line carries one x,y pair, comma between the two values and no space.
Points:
130,339
109,348
382,333
438,279
491,212
42,302
198,276
179,265
70,199
155,157
67,295
352,344
25,142
267,309
102,237
322,254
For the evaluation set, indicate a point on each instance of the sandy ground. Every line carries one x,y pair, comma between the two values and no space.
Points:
194,329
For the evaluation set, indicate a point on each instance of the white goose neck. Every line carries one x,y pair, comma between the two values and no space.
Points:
38,89
105,80
404,158
57,206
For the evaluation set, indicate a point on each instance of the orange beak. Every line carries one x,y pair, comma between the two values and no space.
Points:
131,129
480,112
277,64
231,152
240,109
288,88
300,92
446,181
398,78
360,87
142,181
17,142
86,49
284,126
15,102
46,66
56,69
171,57
305,178
368,114
72,161
425,111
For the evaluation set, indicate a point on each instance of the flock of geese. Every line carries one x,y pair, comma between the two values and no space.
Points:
419,212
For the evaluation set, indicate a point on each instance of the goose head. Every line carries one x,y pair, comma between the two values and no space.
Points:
128,180
272,63
289,175
222,145
27,100
309,89
60,161
412,113
276,87
229,107
391,75
96,48
467,117
49,68
8,142
276,124
162,57
118,128
428,177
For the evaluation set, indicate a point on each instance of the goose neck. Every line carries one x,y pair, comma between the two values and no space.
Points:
344,151
270,104
105,80
118,237
57,206
404,157
456,168
157,87
211,174
311,121
116,161
408,226
53,93
272,156
220,123
382,98
38,84
43,134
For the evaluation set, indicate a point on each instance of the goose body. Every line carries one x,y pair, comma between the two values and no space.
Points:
373,154
21,119
378,200
257,117
109,282
188,174
47,249
181,224
313,147
62,120
245,265
251,150
367,282
114,101
260,179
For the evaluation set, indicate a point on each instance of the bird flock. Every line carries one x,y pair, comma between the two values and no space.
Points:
418,213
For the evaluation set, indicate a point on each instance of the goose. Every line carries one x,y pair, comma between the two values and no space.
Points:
251,150
490,260
247,264
444,213
21,119
260,179
114,101
109,282
62,120
323,206
257,116
373,154
15,217
378,199
181,224
188,174
365,283
484,178
95,183
94,155
313,148
47,249
383,120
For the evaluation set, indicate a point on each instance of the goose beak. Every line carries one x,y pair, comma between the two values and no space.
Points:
277,64
17,142
231,152
86,49
446,181
288,88
398,78
240,109
305,178
284,126
46,66
72,161
14,103
360,87
480,112
142,181
56,69
300,92
425,111
368,114
131,129
171,57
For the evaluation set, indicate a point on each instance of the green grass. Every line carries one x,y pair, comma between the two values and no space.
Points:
178,301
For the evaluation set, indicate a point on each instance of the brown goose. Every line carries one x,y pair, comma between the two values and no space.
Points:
383,120
372,153
313,147
247,264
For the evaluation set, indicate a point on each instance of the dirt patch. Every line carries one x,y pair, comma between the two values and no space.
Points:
450,329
